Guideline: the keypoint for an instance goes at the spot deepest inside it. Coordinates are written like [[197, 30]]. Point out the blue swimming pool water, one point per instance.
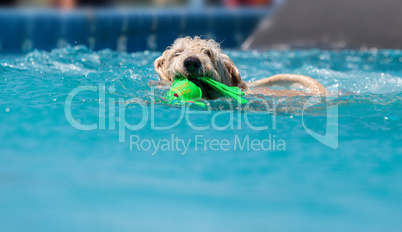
[[54, 177]]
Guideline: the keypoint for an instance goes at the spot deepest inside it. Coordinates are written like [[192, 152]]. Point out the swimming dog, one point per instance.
[[194, 57]]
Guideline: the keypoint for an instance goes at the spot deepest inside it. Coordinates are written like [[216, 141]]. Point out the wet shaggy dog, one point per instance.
[[194, 57]]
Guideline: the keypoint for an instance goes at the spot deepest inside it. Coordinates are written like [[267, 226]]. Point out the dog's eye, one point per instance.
[[178, 53], [208, 53]]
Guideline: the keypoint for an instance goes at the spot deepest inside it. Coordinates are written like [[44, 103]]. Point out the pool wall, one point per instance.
[[129, 30], [329, 24]]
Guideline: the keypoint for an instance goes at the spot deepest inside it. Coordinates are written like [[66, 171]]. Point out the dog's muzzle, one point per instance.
[[192, 64]]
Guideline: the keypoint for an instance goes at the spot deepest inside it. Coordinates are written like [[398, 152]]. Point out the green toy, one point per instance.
[[184, 90]]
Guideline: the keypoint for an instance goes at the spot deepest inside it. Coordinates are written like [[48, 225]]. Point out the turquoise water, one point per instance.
[[54, 177]]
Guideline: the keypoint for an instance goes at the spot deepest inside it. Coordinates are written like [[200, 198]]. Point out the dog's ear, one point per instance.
[[158, 65], [234, 74]]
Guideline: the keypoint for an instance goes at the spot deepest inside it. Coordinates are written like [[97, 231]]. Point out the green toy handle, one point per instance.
[[233, 92]]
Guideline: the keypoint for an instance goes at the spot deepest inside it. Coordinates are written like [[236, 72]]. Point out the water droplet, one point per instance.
[[7, 109], [112, 89], [386, 118]]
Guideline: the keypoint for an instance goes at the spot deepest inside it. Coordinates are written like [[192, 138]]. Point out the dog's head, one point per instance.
[[194, 57]]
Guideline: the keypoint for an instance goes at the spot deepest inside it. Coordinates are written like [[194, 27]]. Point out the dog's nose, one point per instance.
[[192, 63]]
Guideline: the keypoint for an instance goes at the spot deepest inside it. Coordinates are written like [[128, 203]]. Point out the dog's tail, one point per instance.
[[291, 80]]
